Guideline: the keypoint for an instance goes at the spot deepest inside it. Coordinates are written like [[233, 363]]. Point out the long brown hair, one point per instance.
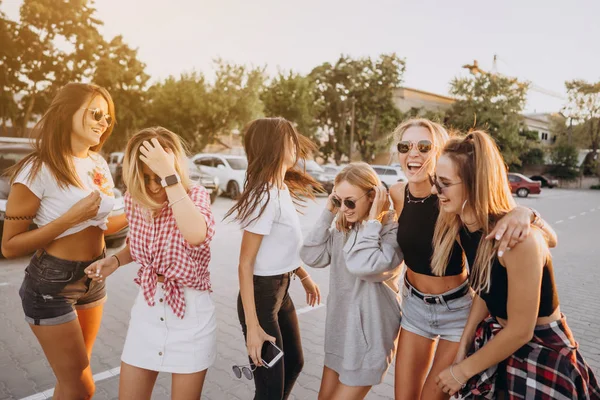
[[53, 133], [133, 173], [361, 175], [483, 173], [266, 141]]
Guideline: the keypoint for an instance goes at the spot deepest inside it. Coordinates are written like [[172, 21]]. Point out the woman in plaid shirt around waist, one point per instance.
[[516, 343], [172, 327]]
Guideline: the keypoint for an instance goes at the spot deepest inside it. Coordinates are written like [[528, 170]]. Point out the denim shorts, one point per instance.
[[54, 288], [441, 319]]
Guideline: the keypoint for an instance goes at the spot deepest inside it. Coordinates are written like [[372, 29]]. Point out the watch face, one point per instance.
[[171, 180]]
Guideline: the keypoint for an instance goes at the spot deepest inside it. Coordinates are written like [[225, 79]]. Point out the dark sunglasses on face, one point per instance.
[[247, 370], [98, 114], [439, 186], [424, 146], [350, 204], [155, 179]]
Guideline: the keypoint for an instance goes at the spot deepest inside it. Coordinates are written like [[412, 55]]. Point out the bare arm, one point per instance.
[[17, 240], [188, 217], [256, 336], [116, 224], [477, 314], [524, 266]]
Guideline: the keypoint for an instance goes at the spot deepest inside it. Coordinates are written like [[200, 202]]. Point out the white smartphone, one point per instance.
[[270, 354]]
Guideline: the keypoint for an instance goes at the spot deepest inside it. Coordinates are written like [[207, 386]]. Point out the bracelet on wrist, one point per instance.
[[307, 276], [118, 261]]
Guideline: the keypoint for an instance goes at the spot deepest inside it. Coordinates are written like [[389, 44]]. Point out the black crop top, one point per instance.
[[416, 226], [496, 298]]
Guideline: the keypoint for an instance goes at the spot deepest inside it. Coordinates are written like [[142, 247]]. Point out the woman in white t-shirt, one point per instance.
[[269, 255], [65, 188]]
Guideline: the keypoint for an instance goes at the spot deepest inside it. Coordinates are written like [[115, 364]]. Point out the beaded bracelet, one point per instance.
[[25, 218]]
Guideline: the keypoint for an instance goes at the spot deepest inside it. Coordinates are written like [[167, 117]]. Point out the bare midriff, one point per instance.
[[84, 245], [435, 284], [540, 321]]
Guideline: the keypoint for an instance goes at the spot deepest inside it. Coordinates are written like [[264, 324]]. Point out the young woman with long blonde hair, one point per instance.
[[434, 308], [363, 309], [525, 349], [64, 186], [269, 255], [173, 326]]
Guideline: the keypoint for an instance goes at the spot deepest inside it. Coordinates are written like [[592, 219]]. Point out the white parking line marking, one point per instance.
[[308, 308], [560, 221], [47, 394], [583, 213], [592, 210], [572, 217], [3, 283]]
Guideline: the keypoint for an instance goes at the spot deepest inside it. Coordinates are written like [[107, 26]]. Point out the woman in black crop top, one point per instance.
[[435, 308], [533, 353]]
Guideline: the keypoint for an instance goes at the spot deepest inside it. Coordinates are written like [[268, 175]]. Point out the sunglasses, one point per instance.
[[350, 204], [98, 114], [247, 370], [424, 146], [439, 186], [155, 179]]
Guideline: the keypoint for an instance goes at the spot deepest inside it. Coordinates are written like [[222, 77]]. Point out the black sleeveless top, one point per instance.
[[416, 226], [496, 298]]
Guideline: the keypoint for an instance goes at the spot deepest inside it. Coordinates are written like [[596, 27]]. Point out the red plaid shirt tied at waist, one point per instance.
[[158, 246]]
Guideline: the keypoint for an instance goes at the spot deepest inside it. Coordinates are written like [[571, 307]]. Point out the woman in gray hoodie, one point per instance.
[[363, 309]]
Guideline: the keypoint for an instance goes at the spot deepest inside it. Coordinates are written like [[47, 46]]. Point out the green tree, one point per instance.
[[44, 66], [122, 74], [493, 103], [564, 160], [9, 82], [355, 103], [583, 109], [200, 112], [292, 96]]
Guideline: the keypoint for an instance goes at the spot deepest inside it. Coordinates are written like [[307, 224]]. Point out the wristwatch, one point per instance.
[[170, 180]]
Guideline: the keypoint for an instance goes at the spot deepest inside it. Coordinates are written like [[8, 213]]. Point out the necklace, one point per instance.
[[412, 201]]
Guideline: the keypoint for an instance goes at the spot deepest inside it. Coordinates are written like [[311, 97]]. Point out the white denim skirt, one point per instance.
[[158, 340]]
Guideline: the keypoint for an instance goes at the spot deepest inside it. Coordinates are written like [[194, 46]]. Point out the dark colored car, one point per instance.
[[10, 154], [546, 181], [522, 185]]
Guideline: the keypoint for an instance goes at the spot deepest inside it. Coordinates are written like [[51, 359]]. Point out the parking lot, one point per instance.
[[24, 373]]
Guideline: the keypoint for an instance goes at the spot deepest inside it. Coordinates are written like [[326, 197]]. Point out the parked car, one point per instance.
[[545, 180], [318, 173], [522, 185], [10, 154], [389, 174], [210, 183], [231, 171], [115, 166]]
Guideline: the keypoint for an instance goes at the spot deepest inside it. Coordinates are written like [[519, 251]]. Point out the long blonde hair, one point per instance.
[[483, 173], [359, 174], [133, 173]]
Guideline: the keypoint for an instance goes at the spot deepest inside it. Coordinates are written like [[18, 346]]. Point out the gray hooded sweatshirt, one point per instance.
[[363, 312]]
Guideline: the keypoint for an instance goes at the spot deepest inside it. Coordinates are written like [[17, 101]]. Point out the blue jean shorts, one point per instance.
[[54, 288], [432, 316]]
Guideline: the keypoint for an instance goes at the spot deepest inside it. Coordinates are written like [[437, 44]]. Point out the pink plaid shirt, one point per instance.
[[159, 247]]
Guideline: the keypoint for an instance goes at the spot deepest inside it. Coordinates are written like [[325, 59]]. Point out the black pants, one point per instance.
[[277, 317]]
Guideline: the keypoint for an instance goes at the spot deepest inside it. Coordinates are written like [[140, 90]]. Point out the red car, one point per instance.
[[523, 186]]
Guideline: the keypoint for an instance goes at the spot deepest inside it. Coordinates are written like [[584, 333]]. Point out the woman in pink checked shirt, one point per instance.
[[172, 327]]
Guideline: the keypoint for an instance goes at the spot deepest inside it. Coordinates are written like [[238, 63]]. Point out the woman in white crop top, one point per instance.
[[270, 253], [65, 188]]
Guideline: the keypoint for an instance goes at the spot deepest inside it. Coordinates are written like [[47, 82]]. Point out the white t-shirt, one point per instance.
[[279, 250], [93, 172]]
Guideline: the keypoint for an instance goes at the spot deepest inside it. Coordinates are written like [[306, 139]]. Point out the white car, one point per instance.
[[231, 171], [389, 174]]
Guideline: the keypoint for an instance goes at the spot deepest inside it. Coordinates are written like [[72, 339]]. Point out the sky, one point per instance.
[[543, 41]]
